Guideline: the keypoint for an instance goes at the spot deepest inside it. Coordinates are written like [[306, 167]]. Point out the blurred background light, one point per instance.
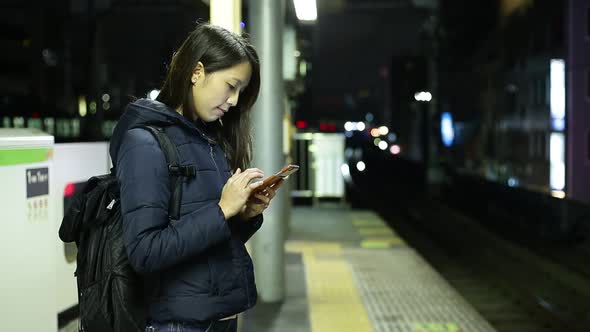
[[306, 10], [395, 149], [446, 129], [361, 166]]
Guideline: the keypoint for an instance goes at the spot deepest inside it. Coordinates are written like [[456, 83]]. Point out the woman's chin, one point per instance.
[[211, 118]]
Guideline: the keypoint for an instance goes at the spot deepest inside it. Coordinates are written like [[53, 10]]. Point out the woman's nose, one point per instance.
[[233, 99]]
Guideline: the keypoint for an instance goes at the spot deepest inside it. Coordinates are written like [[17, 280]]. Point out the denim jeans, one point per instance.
[[230, 325]]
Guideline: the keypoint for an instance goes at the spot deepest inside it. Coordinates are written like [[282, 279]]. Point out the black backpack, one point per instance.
[[111, 295]]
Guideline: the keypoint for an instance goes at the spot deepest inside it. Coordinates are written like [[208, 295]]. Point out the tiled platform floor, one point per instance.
[[348, 271]]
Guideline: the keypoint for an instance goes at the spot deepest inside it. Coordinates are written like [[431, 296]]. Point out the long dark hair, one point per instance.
[[217, 49]]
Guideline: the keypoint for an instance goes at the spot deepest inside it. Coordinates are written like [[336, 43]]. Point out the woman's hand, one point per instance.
[[259, 201], [237, 190]]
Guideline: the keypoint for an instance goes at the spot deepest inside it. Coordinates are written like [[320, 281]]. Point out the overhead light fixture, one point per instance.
[[306, 10]]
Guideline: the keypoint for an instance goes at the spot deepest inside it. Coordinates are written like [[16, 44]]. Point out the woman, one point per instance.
[[197, 272]]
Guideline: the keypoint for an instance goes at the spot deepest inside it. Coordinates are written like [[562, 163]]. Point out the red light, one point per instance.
[[300, 124], [69, 190], [323, 126], [36, 115], [332, 127]]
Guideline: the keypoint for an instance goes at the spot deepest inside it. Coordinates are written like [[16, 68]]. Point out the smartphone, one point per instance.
[[281, 175]]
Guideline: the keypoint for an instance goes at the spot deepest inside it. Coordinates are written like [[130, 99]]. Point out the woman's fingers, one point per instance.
[[248, 175], [236, 173], [245, 173], [277, 184], [271, 192], [254, 185], [234, 176], [262, 198]]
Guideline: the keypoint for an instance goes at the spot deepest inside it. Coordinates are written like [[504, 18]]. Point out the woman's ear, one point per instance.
[[198, 72]]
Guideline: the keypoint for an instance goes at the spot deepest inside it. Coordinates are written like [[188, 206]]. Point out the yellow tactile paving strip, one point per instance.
[[376, 234], [400, 290], [379, 230], [408, 295], [333, 299], [373, 281]]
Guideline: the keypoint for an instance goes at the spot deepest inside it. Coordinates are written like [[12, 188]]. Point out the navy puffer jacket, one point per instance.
[[196, 268]]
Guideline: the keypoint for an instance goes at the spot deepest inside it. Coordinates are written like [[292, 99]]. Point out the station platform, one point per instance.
[[346, 270]]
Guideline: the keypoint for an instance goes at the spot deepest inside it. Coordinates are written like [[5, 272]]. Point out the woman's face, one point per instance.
[[214, 93]]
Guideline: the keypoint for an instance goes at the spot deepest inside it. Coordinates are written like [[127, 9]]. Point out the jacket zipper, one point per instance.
[[214, 162]]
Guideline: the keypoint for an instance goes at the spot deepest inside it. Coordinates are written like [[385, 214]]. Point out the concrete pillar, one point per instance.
[[226, 14], [265, 24]]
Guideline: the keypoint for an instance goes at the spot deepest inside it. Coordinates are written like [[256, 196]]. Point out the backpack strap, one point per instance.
[[176, 171]]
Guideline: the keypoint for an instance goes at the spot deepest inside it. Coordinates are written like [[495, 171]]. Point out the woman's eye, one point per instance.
[[231, 87]]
